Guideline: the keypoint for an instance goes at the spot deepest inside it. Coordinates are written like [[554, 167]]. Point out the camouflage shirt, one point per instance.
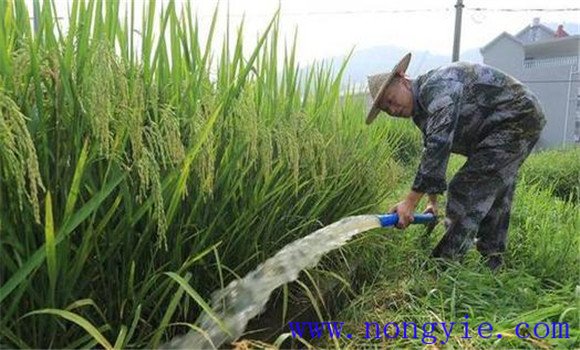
[[458, 106]]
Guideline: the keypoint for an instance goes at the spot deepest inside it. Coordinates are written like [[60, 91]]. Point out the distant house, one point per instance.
[[547, 62]]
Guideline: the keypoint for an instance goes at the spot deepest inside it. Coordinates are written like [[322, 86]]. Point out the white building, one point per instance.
[[547, 61]]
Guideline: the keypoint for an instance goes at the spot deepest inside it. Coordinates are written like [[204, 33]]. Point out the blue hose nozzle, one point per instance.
[[392, 219]]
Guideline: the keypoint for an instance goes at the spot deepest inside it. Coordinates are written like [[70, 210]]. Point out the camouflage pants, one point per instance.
[[479, 197]]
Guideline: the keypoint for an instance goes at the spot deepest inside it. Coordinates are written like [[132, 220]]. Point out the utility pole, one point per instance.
[[36, 13], [456, 39], [36, 17]]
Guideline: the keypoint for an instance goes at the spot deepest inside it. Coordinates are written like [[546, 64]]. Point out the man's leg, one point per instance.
[[463, 214], [492, 235], [486, 176]]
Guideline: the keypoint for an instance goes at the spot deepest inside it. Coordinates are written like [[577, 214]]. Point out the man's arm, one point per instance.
[[443, 100]]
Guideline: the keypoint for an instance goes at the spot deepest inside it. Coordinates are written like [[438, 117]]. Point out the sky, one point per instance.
[[333, 27]]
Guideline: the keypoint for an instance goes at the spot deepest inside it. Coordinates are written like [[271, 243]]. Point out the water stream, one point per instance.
[[244, 299]]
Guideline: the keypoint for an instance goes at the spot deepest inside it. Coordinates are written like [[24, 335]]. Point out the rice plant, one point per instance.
[[126, 156]]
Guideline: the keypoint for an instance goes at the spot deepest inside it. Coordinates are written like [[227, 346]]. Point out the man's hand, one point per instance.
[[406, 208], [431, 205], [431, 208]]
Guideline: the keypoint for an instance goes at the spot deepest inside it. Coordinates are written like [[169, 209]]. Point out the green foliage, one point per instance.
[[398, 283], [407, 138], [136, 180], [409, 141], [558, 169], [123, 167], [543, 236], [538, 283]]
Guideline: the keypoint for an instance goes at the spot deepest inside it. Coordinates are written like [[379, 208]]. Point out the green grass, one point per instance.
[[385, 280], [558, 169], [538, 283]]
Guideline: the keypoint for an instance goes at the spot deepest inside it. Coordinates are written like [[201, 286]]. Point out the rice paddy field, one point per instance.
[[141, 172]]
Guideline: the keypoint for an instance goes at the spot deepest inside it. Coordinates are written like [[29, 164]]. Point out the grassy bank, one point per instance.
[[538, 283], [385, 280]]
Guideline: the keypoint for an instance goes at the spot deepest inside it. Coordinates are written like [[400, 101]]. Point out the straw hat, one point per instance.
[[378, 85]]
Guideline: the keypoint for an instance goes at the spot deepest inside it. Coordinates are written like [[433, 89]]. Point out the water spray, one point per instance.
[[245, 298]]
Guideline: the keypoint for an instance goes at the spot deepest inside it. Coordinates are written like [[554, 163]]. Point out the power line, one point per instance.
[[349, 12], [551, 81], [422, 10], [569, 9]]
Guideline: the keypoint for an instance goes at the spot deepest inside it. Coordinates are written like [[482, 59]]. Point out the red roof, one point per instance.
[[560, 32]]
